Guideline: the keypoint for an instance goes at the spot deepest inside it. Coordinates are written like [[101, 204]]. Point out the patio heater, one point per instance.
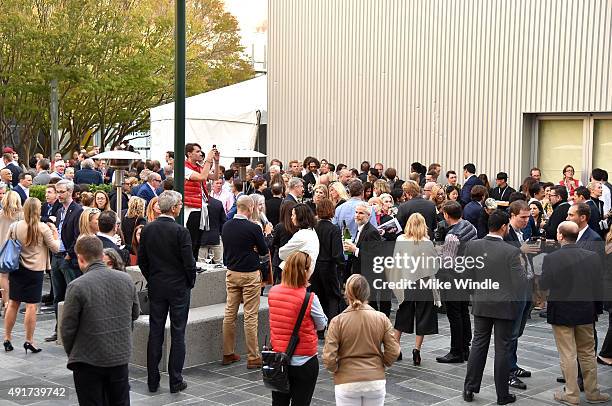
[[120, 161]]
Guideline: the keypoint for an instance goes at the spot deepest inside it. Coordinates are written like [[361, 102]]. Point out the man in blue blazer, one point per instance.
[[580, 214], [471, 180], [149, 190], [25, 181], [87, 174]]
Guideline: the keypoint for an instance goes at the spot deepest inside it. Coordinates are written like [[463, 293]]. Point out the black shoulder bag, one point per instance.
[[275, 365]]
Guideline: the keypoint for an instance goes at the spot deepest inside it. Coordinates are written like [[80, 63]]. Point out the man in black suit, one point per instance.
[[64, 264], [416, 204], [87, 174], [107, 224], [295, 190], [580, 213], [311, 178], [519, 218], [366, 232], [494, 307], [50, 206], [573, 277], [471, 180], [9, 164], [583, 195], [558, 198], [23, 187], [166, 260], [210, 241], [273, 205], [365, 168], [503, 191]]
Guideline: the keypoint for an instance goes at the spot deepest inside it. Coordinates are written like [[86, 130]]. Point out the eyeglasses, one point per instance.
[[60, 191]]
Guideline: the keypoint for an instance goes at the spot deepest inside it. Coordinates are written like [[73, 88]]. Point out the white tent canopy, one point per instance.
[[227, 117]]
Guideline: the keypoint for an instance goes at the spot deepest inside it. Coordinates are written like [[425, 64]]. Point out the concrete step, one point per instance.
[[203, 335]]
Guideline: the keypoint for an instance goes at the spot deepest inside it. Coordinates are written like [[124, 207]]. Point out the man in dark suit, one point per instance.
[[311, 178], [273, 205], [474, 211], [107, 224], [112, 197], [583, 195], [365, 168], [494, 307], [366, 233], [64, 264], [166, 260], [210, 241], [416, 204], [469, 174], [580, 213], [295, 190], [558, 198], [519, 218], [22, 188], [9, 164], [87, 174], [50, 206], [573, 276], [503, 191], [150, 189]]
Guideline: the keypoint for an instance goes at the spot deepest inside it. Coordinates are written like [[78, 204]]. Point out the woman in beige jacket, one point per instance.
[[352, 350], [36, 240]]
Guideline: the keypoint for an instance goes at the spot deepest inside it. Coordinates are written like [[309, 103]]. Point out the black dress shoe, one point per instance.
[[516, 383], [450, 358], [178, 387], [522, 373], [561, 379], [153, 388], [508, 399], [52, 337], [468, 395]]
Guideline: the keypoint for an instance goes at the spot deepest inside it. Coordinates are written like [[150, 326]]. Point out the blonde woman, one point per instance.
[[417, 302], [36, 240], [10, 213], [381, 186], [133, 216], [318, 193], [88, 222], [360, 343], [153, 211], [101, 200], [438, 196], [337, 193]]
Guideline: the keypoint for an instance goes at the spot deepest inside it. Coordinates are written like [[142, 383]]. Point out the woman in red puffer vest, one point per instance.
[[285, 301]]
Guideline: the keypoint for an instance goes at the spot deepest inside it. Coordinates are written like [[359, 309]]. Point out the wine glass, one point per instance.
[[208, 258]]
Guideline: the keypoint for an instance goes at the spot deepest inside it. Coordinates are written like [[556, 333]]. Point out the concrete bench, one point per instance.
[[203, 335]]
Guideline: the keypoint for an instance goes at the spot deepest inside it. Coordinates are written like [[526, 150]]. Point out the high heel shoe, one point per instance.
[[416, 357], [28, 346], [8, 346]]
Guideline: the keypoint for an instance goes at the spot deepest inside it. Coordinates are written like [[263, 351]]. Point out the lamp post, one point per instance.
[[120, 161], [179, 101]]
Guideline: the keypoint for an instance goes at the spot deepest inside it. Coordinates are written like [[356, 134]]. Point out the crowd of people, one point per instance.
[[306, 228]]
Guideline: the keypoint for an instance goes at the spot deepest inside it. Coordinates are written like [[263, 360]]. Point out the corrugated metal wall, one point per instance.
[[430, 80]]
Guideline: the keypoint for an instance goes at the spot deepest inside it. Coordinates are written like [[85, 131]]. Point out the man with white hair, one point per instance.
[[87, 174], [427, 190], [166, 260], [150, 189], [58, 170], [295, 190]]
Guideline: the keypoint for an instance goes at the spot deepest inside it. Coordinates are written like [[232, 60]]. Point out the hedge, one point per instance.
[[39, 190]]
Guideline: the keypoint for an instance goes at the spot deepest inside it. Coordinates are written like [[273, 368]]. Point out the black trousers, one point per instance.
[[458, 315], [483, 326], [302, 381], [325, 283], [383, 306], [159, 307], [606, 347], [193, 226], [99, 386]]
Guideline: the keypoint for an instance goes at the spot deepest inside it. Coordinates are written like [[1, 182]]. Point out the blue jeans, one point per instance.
[[159, 307], [61, 275], [517, 330]]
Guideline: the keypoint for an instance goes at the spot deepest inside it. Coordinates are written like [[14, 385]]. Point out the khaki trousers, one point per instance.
[[577, 342], [245, 287]]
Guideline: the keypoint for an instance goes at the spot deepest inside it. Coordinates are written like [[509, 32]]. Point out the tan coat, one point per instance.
[[36, 257], [352, 350]]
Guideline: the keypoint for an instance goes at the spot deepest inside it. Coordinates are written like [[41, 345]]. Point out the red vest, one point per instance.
[[193, 189], [285, 304]]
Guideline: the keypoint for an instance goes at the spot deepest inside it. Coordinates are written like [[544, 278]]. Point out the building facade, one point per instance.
[[505, 84]]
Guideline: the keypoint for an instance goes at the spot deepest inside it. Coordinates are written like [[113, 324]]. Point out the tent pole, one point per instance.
[[179, 102]]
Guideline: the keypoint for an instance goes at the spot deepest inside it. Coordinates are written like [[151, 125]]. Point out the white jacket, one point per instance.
[[305, 240]]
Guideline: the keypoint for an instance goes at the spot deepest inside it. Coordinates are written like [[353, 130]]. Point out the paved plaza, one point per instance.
[[213, 384]]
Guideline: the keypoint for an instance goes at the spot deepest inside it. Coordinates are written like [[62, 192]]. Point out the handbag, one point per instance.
[[10, 253], [275, 365], [143, 298]]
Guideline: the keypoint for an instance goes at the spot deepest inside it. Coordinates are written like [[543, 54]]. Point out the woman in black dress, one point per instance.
[[281, 235]]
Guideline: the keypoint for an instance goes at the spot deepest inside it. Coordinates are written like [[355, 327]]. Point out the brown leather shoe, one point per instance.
[[230, 359], [254, 364]]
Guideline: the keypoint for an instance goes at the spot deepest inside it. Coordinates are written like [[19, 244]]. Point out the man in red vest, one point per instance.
[[196, 194]]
